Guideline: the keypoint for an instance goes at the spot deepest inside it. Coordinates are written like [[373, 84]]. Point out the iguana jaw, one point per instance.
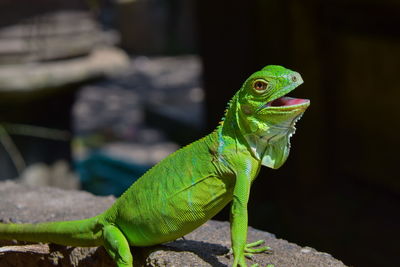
[[266, 117], [279, 102], [288, 103], [276, 119]]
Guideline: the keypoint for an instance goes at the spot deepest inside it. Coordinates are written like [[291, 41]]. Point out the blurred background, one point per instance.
[[93, 93]]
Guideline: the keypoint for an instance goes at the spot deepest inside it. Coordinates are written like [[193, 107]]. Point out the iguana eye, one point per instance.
[[260, 85]]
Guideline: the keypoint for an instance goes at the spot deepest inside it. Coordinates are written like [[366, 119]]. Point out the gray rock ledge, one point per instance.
[[206, 246]]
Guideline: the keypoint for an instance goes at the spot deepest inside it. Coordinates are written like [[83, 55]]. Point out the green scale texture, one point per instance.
[[179, 201]]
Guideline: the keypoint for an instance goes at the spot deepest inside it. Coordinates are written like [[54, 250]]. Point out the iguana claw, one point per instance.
[[249, 250]]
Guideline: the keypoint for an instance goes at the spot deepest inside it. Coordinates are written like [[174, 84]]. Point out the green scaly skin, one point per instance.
[[193, 184]]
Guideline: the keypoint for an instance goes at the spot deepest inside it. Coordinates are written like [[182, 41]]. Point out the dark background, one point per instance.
[[339, 191]]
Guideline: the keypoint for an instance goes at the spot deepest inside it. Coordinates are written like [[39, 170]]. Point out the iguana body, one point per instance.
[[193, 184]]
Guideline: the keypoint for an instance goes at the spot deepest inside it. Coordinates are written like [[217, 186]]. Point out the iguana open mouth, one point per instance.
[[288, 102]]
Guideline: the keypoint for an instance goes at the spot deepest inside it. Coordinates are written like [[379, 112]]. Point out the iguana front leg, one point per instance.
[[239, 223]]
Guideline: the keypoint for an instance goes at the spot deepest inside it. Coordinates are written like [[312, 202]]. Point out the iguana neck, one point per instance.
[[229, 132], [267, 143]]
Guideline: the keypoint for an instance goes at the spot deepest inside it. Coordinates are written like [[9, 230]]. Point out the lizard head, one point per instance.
[[266, 117]]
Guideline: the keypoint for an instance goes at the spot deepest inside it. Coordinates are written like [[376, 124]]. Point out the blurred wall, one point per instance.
[[13, 11], [340, 190], [48, 49], [154, 27], [29, 33]]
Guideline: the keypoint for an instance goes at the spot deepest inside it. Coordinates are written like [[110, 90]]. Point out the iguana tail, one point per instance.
[[86, 232]]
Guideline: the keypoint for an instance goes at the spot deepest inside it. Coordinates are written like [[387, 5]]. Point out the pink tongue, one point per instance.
[[287, 101]]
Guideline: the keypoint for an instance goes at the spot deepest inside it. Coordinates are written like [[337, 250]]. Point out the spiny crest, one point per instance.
[[230, 104], [228, 107]]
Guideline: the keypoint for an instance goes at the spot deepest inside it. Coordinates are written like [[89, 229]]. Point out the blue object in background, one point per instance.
[[102, 174]]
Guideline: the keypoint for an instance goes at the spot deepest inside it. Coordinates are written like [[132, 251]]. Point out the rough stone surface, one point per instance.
[[207, 246]]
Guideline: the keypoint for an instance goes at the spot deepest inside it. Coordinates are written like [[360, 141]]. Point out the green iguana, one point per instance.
[[193, 184]]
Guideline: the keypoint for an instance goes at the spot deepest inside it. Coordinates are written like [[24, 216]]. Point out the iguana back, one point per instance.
[[176, 196]]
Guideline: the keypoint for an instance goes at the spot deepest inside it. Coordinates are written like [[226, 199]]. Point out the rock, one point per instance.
[[58, 175], [206, 246]]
